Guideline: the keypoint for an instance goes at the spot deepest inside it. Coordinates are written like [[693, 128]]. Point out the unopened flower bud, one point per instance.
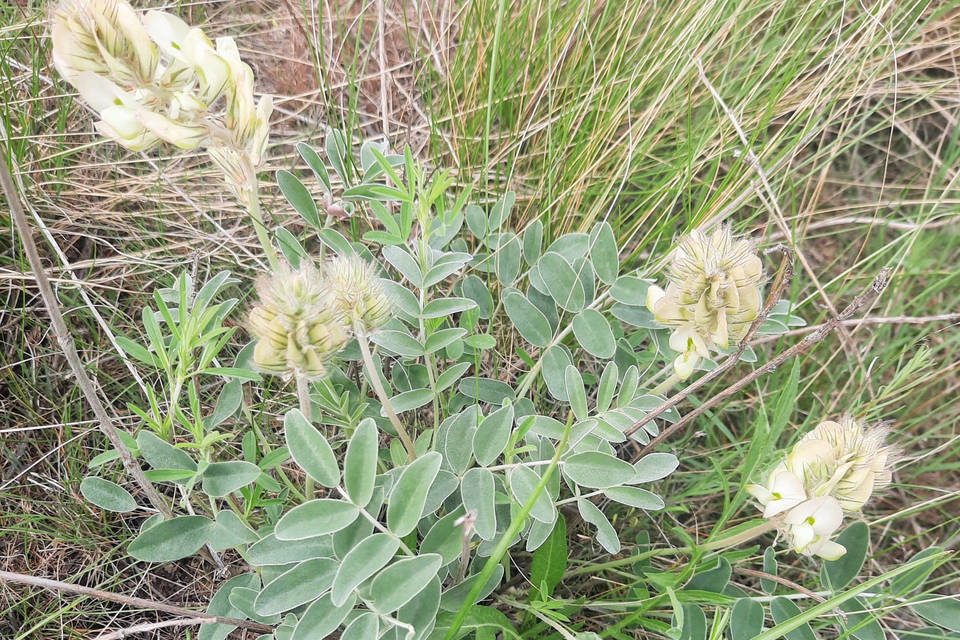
[[296, 324], [358, 292]]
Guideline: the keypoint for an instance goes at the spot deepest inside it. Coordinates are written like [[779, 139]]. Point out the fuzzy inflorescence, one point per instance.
[[712, 297], [832, 470], [305, 315], [156, 79]]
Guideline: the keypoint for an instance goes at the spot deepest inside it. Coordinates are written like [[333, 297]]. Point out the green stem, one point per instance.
[[253, 208], [381, 392], [665, 385], [515, 525], [303, 397]]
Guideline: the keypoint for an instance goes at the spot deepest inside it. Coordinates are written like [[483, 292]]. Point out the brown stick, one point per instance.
[[780, 281], [65, 339], [119, 634], [787, 583], [141, 603], [867, 297]]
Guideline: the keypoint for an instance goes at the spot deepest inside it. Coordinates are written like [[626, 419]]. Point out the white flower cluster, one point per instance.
[[712, 297], [155, 78], [832, 470]]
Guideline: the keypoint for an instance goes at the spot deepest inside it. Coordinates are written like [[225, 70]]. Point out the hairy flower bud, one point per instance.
[[296, 323], [712, 297], [358, 292]]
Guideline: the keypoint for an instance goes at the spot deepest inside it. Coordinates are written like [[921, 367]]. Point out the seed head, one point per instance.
[[358, 292], [296, 323]]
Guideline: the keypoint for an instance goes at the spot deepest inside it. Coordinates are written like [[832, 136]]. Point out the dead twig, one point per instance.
[[790, 584], [140, 603], [780, 281], [153, 626], [65, 338], [866, 298]]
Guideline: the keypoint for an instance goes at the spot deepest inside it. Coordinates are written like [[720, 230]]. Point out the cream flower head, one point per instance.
[[358, 293], [712, 297], [155, 78], [843, 459], [832, 470], [297, 324]]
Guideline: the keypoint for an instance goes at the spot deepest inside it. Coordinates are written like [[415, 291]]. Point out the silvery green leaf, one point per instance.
[[222, 478], [321, 618], [654, 466], [443, 307], [527, 318], [398, 342], [594, 334], [410, 493], [402, 581], [364, 560], [532, 239], [440, 339], [310, 449], [598, 470], [315, 163], [556, 359], [107, 495], [635, 497], [577, 395], [630, 290], [561, 281], [500, 211], [273, 552], [458, 442], [603, 252], [299, 197], [451, 374], [171, 539], [405, 263], [444, 537], [409, 400], [220, 606], [571, 246], [478, 492], [523, 482], [606, 534], [607, 386], [363, 627], [301, 584], [315, 518], [487, 390], [230, 532], [360, 463], [492, 435]]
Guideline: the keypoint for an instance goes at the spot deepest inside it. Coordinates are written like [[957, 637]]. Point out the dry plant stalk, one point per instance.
[[65, 338], [140, 603]]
